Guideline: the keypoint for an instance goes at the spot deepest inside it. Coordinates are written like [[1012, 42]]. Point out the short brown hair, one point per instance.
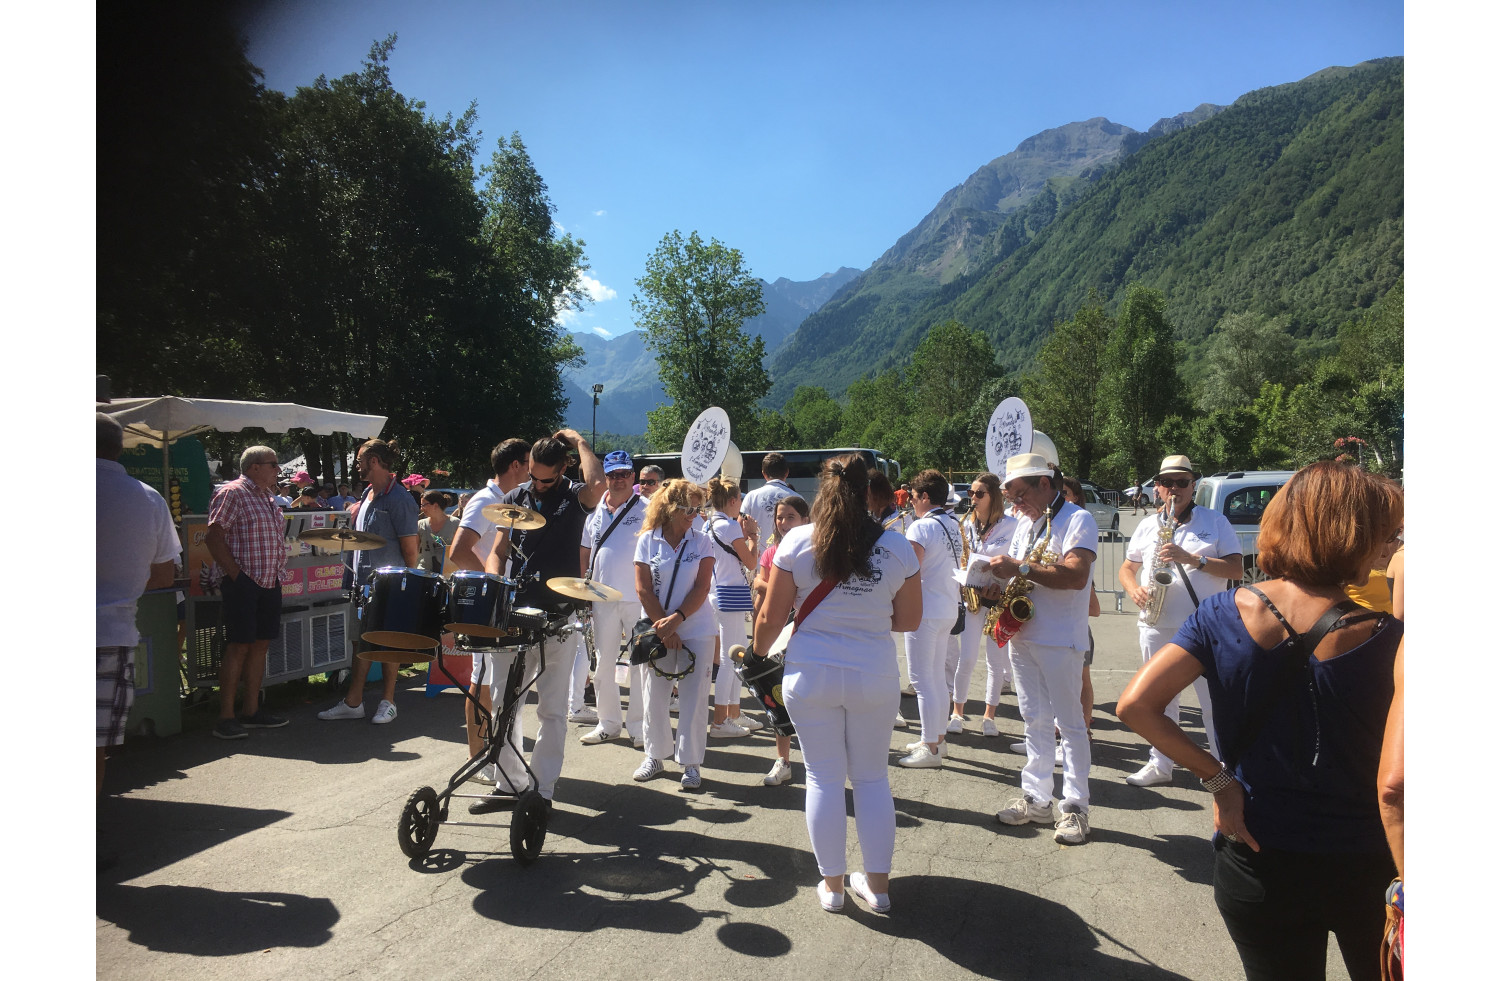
[[933, 484], [1325, 526], [774, 467]]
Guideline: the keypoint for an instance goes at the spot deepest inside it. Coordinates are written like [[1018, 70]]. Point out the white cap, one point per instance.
[[1026, 465]]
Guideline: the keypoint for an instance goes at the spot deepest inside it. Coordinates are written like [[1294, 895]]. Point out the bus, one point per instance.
[[803, 466]]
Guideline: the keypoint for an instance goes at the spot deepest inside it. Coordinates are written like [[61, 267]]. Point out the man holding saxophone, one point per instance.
[[1053, 548], [1176, 559]]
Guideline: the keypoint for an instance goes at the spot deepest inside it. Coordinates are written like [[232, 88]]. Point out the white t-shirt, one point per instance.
[[851, 627], [133, 531], [614, 562], [995, 542], [475, 520], [937, 533], [760, 504], [652, 550], [727, 566], [1207, 533], [1062, 615]]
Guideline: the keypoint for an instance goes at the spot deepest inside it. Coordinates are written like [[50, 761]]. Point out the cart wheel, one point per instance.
[[418, 827], [528, 827]]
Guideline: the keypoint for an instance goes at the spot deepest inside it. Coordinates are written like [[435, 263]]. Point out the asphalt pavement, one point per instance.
[[277, 857]]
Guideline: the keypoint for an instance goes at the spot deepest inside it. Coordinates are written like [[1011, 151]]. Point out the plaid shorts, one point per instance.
[[114, 692]]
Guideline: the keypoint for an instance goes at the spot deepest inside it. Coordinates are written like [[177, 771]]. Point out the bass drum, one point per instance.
[[479, 603], [763, 676], [405, 609]]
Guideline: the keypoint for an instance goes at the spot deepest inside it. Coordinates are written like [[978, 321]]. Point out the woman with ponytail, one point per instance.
[[852, 583], [734, 538]]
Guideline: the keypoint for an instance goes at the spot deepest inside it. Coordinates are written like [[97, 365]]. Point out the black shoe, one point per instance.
[[495, 802], [230, 729], [588, 694], [262, 720]]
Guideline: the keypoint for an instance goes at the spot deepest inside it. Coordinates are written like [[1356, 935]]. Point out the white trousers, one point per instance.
[[969, 644], [1049, 683], [926, 652], [1160, 760], [551, 712], [612, 621], [732, 630], [692, 704], [843, 720]]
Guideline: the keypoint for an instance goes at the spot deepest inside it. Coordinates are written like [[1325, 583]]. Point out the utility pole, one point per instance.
[[594, 426]]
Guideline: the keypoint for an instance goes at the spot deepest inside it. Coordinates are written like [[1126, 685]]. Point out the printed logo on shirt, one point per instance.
[[858, 585]]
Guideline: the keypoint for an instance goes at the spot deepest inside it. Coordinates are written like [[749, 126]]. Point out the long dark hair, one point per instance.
[[843, 531]]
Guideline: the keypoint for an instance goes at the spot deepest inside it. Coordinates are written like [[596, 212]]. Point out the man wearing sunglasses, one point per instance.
[[541, 554], [1204, 549], [651, 478]]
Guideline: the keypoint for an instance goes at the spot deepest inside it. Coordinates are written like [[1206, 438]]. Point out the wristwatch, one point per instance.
[[1202, 562], [1024, 569]]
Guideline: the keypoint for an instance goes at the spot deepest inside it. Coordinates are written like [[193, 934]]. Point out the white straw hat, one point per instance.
[[1026, 465]]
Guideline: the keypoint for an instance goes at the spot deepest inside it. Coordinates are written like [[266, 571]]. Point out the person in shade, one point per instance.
[[1301, 679], [936, 538], [853, 583]]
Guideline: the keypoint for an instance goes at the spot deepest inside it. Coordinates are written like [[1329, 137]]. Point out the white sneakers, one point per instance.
[[1019, 747], [901, 722], [585, 714], [691, 778], [1149, 776], [1024, 810], [597, 735], [781, 772], [727, 730], [343, 711], [384, 712], [1073, 826], [922, 757], [651, 768], [831, 901], [955, 723], [988, 728], [879, 902]]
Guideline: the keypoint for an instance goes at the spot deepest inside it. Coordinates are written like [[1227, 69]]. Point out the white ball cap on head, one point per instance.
[[1042, 443], [1026, 465]]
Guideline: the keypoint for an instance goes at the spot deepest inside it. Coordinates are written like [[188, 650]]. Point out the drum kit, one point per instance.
[[405, 612]]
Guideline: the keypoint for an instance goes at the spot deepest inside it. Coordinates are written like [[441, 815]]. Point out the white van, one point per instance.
[[1242, 496]]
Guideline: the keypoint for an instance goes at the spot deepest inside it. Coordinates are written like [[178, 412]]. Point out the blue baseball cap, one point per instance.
[[617, 460]]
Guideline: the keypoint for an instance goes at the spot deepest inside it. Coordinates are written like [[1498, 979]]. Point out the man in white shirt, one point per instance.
[[935, 537], [760, 503], [135, 549], [606, 554], [1048, 652], [1200, 545]]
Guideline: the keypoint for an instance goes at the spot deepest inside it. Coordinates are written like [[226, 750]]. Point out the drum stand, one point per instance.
[[426, 809]]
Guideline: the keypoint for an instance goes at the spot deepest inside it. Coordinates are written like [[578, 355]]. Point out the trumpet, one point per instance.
[[1015, 608]]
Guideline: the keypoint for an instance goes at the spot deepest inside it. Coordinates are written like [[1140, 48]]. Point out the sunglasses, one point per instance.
[[1175, 482], [619, 475], [978, 493], [543, 481], [649, 483]]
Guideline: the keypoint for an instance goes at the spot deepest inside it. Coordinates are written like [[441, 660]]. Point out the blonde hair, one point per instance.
[[672, 495], [722, 490]]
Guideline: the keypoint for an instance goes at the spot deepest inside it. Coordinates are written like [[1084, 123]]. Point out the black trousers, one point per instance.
[[1280, 906]]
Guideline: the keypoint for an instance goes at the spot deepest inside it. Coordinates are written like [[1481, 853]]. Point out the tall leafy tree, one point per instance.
[[1142, 386], [1064, 392], [948, 368], [1246, 351], [692, 304], [814, 416]]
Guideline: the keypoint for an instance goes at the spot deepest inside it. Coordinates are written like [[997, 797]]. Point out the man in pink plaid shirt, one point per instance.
[[247, 538]]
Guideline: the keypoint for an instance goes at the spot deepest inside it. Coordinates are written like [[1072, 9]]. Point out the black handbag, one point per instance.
[[645, 645]]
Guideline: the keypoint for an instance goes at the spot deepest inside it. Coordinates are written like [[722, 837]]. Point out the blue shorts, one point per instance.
[[251, 611]]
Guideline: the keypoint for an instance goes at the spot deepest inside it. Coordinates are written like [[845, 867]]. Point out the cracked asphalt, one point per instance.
[[276, 857]]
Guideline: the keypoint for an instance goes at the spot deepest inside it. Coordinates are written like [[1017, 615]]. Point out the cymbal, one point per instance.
[[343, 539], [514, 516], [584, 589], [398, 657]]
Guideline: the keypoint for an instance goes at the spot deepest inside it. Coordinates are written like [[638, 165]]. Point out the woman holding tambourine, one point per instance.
[[674, 571]]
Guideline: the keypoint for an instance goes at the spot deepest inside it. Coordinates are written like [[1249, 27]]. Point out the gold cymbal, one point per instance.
[[343, 539], [584, 589], [514, 516]]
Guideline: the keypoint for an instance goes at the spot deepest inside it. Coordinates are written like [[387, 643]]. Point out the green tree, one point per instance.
[[1141, 386], [692, 305], [814, 416], [1063, 394], [1247, 350], [950, 365]]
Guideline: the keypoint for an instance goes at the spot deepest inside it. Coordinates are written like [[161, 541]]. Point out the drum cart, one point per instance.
[[427, 808]]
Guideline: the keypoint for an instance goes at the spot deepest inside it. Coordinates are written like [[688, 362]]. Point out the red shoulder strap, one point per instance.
[[815, 597]]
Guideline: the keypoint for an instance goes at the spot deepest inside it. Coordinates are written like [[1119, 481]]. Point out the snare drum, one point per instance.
[[479, 603], [524, 628], [406, 608]]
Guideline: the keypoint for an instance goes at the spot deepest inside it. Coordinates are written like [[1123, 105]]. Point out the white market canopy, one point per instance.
[[156, 420]]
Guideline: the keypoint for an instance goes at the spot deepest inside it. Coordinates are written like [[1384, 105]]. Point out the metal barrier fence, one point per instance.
[[1107, 572]]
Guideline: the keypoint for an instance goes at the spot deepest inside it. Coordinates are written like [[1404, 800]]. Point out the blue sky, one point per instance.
[[807, 135]]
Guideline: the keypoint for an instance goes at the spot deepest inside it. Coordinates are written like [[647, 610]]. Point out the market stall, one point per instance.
[[317, 615]]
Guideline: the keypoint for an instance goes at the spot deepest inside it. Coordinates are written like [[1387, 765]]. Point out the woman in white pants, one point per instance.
[[988, 531], [934, 537], [674, 570], [734, 537], [841, 680]]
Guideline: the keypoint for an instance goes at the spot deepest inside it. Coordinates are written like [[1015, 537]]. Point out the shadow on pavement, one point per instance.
[[1189, 856], [153, 834], [206, 923]]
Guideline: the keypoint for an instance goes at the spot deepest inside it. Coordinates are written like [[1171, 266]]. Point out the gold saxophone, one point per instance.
[[969, 593], [1158, 577], [1015, 609]]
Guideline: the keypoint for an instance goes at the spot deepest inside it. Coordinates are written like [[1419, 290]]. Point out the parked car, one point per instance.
[[1242, 496], [1106, 516]]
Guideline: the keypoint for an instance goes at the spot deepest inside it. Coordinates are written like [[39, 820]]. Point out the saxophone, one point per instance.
[[1015, 608], [1158, 577], [969, 593]]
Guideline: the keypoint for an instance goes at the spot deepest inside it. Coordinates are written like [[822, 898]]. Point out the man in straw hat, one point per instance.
[[1047, 654], [1201, 555]]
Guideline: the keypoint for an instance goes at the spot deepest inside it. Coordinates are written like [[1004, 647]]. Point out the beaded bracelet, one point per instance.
[[1219, 780]]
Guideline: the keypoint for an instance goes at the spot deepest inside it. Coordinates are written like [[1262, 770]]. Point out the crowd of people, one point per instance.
[[1295, 676]]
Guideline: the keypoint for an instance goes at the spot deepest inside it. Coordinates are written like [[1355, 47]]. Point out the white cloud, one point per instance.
[[602, 332], [596, 290], [600, 213]]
